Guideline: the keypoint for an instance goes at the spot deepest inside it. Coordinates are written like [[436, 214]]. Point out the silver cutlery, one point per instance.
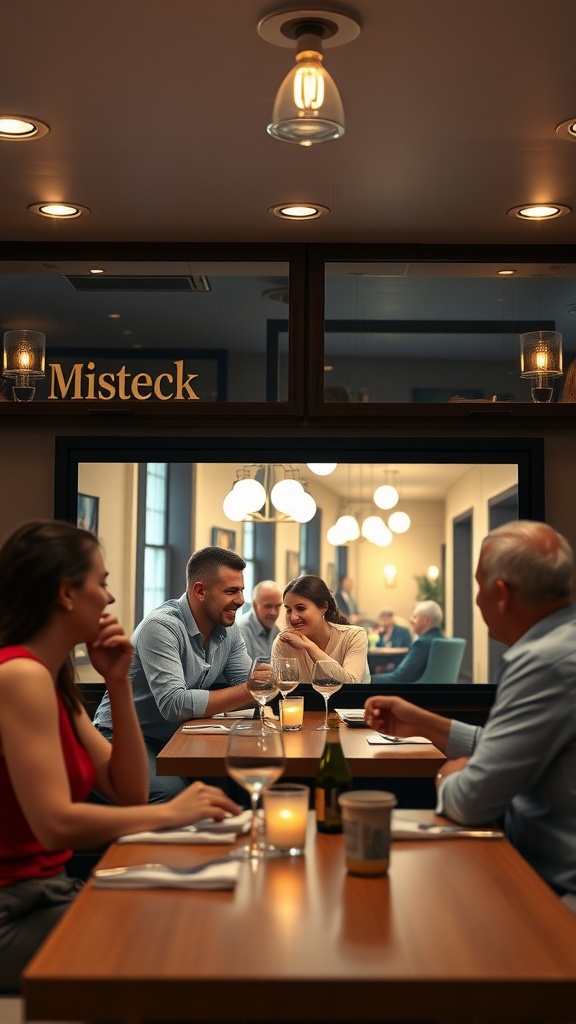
[[136, 868]]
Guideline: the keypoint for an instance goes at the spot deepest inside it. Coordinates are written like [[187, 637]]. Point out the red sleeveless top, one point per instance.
[[21, 855]]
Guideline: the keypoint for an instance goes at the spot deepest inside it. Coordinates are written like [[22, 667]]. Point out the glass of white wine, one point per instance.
[[262, 685], [255, 759], [325, 681], [288, 671]]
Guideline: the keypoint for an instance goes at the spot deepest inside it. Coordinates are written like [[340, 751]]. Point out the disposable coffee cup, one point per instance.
[[366, 817]]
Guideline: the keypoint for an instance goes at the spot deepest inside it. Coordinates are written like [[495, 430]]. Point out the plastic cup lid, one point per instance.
[[367, 798]]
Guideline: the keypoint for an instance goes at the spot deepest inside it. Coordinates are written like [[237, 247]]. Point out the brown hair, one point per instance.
[[34, 560], [314, 588]]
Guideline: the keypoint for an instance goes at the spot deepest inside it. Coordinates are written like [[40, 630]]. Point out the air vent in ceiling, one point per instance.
[[126, 283]]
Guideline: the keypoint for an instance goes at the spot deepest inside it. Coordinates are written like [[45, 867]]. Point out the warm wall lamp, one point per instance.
[[24, 359], [540, 359], [308, 108]]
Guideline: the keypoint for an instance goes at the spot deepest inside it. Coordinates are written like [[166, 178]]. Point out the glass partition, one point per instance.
[[440, 332], [437, 488], [153, 331]]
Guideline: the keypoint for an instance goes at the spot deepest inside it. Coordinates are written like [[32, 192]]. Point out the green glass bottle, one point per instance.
[[333, 777]]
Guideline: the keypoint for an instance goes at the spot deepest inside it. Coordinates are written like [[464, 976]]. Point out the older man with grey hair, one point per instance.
[[522, 764], [426, 620], [258, 627]]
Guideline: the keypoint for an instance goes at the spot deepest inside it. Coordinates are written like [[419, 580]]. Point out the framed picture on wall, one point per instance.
[[87, 516], [223, 538], [292, 565]]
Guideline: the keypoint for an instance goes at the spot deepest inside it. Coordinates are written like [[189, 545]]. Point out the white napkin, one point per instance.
[[243, 713], [205, 831], [216, 875], [380, 737], [406, 828], [205, 728]]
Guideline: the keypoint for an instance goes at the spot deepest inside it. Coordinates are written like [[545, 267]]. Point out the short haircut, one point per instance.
[[430, 609], [531, 557], [384, 611], [206, 563], [265, 585]]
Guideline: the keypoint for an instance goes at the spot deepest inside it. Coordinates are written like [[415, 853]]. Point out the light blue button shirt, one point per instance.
[[523, 762], [172, 673]]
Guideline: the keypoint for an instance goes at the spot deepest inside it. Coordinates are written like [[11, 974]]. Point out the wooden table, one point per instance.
[[203, 754], [461, 930], [380, 657]]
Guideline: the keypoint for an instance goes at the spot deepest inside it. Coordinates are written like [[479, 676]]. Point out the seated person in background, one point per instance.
[[317, 631], [389, 634], [53, 596], [190, 660], [426, 621], [522, 763], [258, 626], [344, 599], [568, 393]]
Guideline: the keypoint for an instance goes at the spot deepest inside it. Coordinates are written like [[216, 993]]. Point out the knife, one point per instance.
[[462, 830]]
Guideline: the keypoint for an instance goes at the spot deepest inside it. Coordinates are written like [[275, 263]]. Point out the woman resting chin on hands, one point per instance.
[[317, 631], [54, 595]]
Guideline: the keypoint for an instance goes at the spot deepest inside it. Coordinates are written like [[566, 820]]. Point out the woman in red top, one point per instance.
[[53, 595]]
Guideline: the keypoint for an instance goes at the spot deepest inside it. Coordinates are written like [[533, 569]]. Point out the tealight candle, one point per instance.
[[292, 713], [286, 816]]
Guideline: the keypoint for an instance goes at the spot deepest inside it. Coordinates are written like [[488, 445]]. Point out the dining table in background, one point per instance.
[[461, 930], [383, 659], [203, 754]]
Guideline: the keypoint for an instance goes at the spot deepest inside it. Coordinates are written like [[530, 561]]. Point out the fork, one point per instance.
[[130, 868]]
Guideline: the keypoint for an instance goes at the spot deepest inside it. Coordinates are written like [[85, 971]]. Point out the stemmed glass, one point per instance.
[[288, 671], [262, 685], [325, 681], [255, 759]]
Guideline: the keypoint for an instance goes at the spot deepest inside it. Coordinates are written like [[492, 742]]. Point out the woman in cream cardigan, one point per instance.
[[318, 631]]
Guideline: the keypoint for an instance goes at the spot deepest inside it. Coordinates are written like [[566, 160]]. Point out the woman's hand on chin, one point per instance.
[[294, 638]]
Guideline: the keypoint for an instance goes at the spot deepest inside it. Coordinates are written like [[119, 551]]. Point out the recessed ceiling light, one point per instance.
[[539, 211], [298, 211], [505, 273], [62, 211], [17, 128], [114, 316], [567, 130], [97, 270]]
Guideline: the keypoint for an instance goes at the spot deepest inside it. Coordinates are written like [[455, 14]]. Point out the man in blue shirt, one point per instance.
[[426, 620], [190, 660], [522, 763], [258, 626]]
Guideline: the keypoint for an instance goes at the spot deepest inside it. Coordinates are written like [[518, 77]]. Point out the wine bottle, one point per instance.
[[333, 777]]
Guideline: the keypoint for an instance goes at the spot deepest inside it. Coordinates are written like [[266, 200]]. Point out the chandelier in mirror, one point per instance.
[[271, 493]]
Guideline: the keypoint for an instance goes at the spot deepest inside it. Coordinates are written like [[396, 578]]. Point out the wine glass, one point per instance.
[[262, 685], [255, 759], [288, 671], [325, 681]]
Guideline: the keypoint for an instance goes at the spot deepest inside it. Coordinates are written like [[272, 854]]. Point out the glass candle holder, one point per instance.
[[292, 713], [286, 816]]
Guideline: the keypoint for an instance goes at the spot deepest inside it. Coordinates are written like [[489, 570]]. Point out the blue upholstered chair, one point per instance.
[[444, 660]]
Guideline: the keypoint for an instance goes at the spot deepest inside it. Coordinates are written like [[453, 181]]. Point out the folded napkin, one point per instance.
[[242, 713], [205, 831], [220, 874], [380, 737], [205, 728], [406, 828]]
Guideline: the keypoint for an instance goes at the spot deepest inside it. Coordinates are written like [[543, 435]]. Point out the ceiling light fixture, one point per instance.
[[308, 108], [24, 359], [17, 128], [60, 211], [298, 211], [263, 498], [539, 211], [505, 273], [567, 129]]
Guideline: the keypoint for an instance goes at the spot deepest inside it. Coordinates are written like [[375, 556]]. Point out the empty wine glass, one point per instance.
[[288, 671], [262, 685], [255, 759], [325, 680]]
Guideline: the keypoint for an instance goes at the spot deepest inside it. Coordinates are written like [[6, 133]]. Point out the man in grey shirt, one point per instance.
[[522, 764], [258, 626], [190, 660]]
